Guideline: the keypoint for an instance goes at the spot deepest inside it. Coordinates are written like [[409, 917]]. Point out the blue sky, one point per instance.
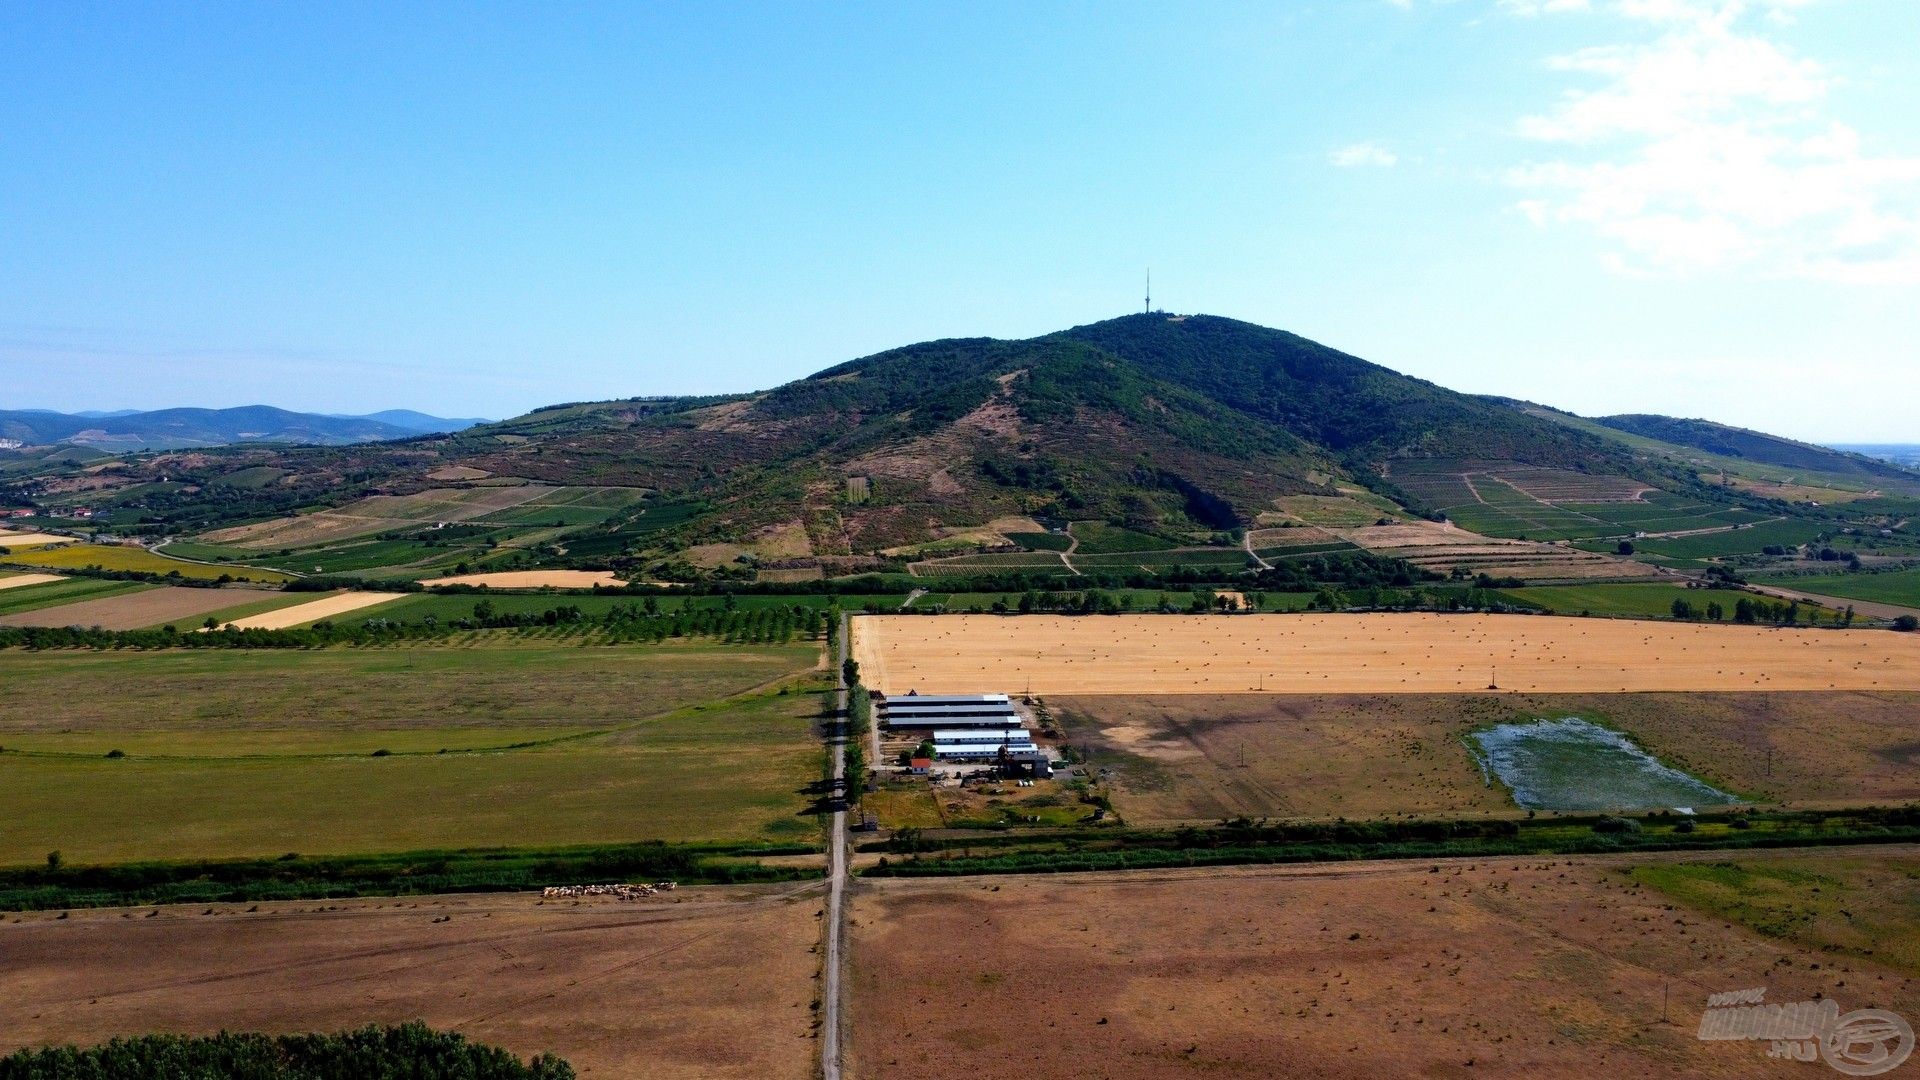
[[1701, 207]]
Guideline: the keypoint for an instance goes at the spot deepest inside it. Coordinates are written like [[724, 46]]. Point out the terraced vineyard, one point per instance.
[[1506, 499], [1446, 550]]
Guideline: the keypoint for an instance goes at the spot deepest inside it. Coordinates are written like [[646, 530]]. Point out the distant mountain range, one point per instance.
[[177, 429]]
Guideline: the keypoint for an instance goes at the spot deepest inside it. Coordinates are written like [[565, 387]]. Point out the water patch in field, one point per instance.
[[1575, 764]]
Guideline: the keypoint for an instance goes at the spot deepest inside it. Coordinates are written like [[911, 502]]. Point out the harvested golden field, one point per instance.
[[313, 611], [1456, 968], [533, 579], [134, 610], [12, 539], [1185, 758], [1357, 654], [17, 581], [702, 984]]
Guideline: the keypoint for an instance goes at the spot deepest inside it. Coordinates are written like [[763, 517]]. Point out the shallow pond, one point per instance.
[[1575, 764]]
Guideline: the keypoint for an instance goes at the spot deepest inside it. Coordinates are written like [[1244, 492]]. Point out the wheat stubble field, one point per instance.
[[706, 984], [1543, 967], [1359, 654]]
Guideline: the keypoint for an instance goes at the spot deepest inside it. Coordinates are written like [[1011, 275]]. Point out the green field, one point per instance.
[[70, 591], [1747, 541], [1887, 587], [127, 557], [1632, 601], [446, 607], [1098, 537], [236, 753]]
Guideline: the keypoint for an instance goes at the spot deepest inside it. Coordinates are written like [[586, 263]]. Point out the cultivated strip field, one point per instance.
[[313, 611], [131, 610], [703, 984], [1351, 654], [1444, 548], [17, 581], [1540, 967], [533, 579], [380, 513]]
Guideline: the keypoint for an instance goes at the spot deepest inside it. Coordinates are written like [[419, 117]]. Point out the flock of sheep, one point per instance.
[[623, 892]]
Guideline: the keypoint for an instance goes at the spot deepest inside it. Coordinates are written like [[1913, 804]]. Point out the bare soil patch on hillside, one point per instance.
[[1511, 967], [1183, 758], [1384, 653], [704, 984], [132, 611]]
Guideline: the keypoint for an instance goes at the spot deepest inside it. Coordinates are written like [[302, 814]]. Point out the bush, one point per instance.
[[1906, 624], [1616, 825], [410, 1050]]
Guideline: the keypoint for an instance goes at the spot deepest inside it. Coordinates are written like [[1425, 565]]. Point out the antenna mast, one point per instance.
[[1149, 308]]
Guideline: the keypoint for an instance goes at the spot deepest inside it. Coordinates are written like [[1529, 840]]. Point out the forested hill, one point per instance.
[[1754, 446], [1349, 405]]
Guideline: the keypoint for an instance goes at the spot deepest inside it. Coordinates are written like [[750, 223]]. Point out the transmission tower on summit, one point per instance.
[[1149, 308]]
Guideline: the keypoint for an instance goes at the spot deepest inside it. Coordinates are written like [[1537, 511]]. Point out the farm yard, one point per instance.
[[233, 753], [1179, 759], [619, 990], [1382, 653], [1357, 970]]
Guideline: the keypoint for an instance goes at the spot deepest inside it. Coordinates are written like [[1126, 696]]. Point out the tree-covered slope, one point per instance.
[[1754, 446]]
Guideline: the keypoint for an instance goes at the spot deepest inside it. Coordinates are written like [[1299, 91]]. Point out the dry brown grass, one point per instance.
[[1357, 654], [1185, 758], [1535, 968], [706, 984]]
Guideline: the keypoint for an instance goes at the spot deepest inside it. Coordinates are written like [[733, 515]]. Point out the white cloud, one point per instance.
[[1707, 147], [1363, 153]]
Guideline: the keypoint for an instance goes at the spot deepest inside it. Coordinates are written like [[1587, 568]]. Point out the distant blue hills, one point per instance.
[[178, 429]]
